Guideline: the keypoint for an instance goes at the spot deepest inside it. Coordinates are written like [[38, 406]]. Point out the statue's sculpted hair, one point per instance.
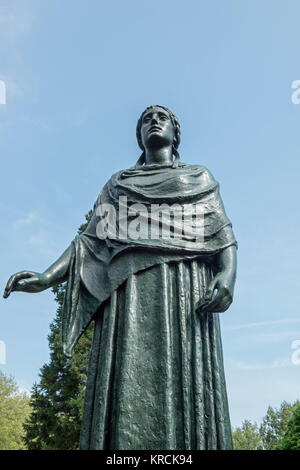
[[176, 141]]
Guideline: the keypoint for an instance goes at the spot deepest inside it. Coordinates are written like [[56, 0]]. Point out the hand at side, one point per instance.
[[219, 294]]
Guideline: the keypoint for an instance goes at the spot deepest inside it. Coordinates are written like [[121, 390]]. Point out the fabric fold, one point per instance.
[[99, 266], [156, 379]]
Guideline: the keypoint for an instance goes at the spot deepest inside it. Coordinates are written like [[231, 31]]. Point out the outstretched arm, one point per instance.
[[224, 271], [28, 281]]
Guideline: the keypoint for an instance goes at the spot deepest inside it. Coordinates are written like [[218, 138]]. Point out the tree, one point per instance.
[[247, 437], [57, 400], [291, 437], [274, 424], [14, 409], [269, 435]]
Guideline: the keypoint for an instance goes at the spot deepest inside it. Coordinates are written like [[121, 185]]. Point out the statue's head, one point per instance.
[[157, 125]]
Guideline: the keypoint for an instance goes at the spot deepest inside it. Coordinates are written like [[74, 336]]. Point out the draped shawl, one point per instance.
[[99, 266]]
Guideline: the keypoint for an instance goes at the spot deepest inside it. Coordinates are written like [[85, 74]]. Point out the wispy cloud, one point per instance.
[[16, 20], [259, 324], [279, 336], [40, 242], [276, 364], [33, 233], [26, 220]]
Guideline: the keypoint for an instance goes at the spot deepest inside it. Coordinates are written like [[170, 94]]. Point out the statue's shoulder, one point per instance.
[[200, 170], [192, 166]]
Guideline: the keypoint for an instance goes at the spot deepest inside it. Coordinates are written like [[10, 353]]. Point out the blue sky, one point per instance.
[[78, 74]]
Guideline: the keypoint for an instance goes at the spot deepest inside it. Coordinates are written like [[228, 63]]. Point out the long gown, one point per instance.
[[156, 376]]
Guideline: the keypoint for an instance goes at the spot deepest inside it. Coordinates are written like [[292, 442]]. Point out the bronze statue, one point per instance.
[[156, 377]]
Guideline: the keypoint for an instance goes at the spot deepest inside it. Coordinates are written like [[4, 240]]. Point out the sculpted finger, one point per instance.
[[6, 293], [212, 306], [25, 284], [10, 285], [20, 285], [215, 302], [225, 306], [200, 306], [220, 303], [208, 298], [13, 280], [210, 290]]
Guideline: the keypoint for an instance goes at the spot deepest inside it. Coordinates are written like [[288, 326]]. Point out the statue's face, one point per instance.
[[157, 129]]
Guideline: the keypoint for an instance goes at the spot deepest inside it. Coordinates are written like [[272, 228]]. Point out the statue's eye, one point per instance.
[[163, 117]]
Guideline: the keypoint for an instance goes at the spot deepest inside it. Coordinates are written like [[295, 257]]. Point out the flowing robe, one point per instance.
[[156, 376]]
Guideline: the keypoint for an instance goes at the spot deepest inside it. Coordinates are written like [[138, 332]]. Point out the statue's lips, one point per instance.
[[154, 129]]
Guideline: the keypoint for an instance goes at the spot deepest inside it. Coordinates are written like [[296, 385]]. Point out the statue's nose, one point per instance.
[[154, 120]]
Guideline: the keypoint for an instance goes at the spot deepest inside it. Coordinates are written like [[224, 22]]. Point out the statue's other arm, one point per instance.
[[219, 294], [28, 281]]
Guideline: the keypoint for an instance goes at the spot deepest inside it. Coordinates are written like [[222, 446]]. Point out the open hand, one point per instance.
[[26, 281]]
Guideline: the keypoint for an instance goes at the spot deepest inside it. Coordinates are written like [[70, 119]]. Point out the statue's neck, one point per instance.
[[161, 156]]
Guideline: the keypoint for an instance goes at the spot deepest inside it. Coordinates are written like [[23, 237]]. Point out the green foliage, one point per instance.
[[270, 434], [85, 224], [14, 409], [291, 438], [274, 424], [247, 437], [57, 400]]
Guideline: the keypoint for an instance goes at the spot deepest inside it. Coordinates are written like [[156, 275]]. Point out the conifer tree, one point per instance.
[[291, 438], [57, 400]]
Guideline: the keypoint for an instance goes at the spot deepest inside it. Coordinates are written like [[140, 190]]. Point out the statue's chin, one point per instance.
[[156, 140]]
